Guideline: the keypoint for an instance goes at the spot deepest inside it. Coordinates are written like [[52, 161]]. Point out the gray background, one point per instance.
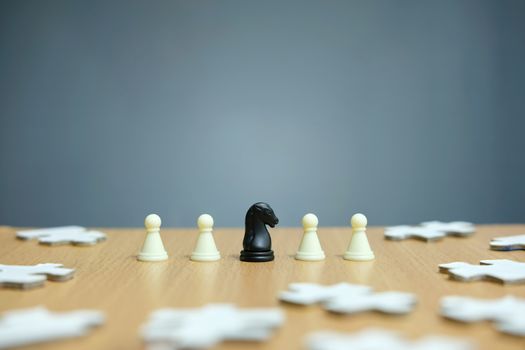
[[403, 110]]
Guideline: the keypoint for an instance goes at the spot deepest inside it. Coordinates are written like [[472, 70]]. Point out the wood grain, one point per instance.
[[109, 278]]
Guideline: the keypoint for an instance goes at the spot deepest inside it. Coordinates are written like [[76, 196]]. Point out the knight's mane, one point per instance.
[[249, 215]]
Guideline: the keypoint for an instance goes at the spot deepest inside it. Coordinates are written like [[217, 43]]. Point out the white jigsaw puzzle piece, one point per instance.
[[458, 228], [508, 313], [430, 230], [377, 339], [348, 298], [205, 327], [29, 276], [506, 271], [508, 243], [30, 234], [311, 293], [398, 233], [76, 235], [30, 326], [386, 302]]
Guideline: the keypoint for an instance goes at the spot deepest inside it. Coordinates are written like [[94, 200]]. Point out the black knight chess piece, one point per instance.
[[257, 242]]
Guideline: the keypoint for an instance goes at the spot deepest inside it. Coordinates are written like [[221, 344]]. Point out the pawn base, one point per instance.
[[352, 256], [205, 257], [152, 257], [251, 256], [306, 256]]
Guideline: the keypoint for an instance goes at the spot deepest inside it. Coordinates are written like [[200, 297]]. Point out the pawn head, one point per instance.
[[152, 222], [205, 222], [359, 221], [310, 221]]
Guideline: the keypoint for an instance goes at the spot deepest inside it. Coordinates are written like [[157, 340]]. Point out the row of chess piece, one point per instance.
[[257, 241]]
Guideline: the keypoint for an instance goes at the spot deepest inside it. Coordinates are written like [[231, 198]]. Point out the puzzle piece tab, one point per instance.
[[31, 276], [430, 230], [349, 298], [508, 313], [503, 270], [30, 326], [378, 339], [508, 243], [207, 326], [75, 235]]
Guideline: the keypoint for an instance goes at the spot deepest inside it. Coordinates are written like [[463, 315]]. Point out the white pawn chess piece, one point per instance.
[[205, 249], [152, 249], [359, 249], [310, 247]]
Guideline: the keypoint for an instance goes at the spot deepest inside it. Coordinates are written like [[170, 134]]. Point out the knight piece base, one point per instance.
[[252, 256]]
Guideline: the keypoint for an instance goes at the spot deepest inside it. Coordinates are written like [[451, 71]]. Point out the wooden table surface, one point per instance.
[[109, 278]]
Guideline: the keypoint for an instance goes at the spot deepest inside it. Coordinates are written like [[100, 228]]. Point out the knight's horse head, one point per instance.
[[264, 213]]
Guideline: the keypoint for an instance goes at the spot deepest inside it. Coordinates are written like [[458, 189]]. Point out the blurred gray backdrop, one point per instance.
[[403, 110]]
